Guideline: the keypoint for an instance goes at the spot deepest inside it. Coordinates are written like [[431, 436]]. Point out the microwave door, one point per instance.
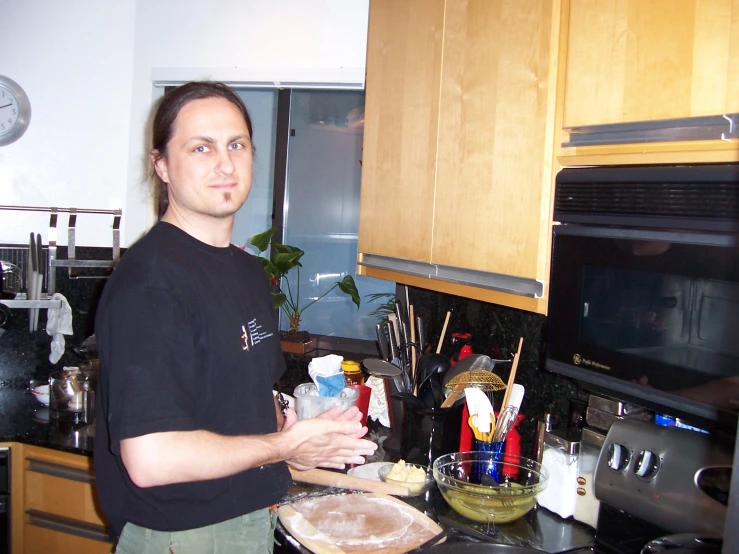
[[632, 311], [663, 320]]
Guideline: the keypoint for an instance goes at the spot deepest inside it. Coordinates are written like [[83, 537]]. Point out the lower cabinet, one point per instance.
[[59, 509]]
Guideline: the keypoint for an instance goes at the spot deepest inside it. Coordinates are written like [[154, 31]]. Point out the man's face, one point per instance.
[[208, 165]]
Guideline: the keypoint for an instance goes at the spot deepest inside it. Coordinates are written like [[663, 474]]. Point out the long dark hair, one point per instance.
[[162, 126]]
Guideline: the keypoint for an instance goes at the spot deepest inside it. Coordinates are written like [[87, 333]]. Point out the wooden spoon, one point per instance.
[[512, 376]]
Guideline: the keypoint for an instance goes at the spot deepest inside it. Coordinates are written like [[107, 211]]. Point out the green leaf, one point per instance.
[[285, 261], [286, 248], [262, 240], [279, 299], [348, 286], [377, 295]]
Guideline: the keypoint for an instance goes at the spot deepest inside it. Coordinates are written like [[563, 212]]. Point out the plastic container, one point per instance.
[[352, 373], [308, 404]]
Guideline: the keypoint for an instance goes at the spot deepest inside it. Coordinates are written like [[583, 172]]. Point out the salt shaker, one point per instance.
[[561, 452]]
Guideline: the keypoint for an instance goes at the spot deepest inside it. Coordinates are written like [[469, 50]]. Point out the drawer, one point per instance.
[[40, 538], [61, 490]]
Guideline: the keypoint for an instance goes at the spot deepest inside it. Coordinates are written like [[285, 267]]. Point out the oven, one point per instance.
[[4, 500], [644, 307], [644, 288]]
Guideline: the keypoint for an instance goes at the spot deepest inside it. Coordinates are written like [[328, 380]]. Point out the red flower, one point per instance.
[[274, 280]]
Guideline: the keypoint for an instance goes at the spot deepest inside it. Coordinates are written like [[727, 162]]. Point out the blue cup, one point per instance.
[[487, 470]]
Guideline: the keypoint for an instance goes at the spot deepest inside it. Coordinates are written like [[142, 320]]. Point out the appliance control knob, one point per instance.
[[647, 465], [618, 457]]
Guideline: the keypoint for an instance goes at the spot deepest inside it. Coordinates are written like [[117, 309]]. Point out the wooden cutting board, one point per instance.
[[357, 523]]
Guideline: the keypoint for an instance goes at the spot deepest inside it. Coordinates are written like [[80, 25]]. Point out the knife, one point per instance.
[[382, 342], [31, 284], [393, 339], [39, 278], [421, 336]]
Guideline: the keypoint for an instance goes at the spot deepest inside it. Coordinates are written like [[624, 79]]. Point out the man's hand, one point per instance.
[[332, 440]]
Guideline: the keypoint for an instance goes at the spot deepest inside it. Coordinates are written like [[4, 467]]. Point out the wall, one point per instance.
[[74, 59], [92, 68]]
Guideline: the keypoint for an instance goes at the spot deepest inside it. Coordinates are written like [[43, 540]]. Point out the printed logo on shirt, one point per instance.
[[252, 334]]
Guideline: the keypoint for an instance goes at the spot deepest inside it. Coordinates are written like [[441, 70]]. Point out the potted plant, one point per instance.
[[281, 260]]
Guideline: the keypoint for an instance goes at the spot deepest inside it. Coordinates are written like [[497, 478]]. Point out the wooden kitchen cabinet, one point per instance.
[[625, 61], [60, 511], [401, 128], [458, 147]]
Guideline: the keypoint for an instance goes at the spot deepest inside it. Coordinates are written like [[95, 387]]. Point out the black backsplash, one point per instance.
[[25, 355], [495, 331]]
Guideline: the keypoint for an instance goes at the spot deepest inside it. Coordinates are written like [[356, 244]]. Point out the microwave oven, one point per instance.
[[644, 287]]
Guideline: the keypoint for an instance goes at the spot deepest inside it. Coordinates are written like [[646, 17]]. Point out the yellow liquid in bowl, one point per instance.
[[483, 504]]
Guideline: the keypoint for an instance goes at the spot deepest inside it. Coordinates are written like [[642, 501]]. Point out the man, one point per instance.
[[190, 447]]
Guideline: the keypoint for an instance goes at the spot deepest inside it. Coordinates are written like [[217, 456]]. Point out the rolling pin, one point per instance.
[[335, 479]]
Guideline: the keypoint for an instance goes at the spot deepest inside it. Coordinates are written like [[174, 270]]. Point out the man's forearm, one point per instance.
[[333, 440], [183, 456]]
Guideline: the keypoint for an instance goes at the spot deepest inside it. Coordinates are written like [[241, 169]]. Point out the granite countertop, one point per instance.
[[540, 528], [24, 419]]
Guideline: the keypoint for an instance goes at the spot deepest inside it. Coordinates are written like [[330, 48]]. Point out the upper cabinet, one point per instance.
[[659, 74], [401, 127], [458, 147]]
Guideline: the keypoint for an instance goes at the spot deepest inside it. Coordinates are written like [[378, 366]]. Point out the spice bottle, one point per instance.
[[352, 373]]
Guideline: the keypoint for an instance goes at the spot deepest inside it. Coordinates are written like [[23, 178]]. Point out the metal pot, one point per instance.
[[71, 393], [11, 280]]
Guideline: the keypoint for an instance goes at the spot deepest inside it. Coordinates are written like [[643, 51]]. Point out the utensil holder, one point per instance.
[[429, 432]]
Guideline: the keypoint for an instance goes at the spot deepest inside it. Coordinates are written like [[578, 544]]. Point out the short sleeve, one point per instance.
[[149, 363]]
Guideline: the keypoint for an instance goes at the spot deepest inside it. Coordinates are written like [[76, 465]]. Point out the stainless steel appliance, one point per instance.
[[656, 483], [644, 307], [644, 289]]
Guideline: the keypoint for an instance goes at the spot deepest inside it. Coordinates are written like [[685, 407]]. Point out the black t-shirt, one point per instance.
[[188, 340]]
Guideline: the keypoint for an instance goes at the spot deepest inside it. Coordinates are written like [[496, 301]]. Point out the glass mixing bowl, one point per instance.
[[506, 491]]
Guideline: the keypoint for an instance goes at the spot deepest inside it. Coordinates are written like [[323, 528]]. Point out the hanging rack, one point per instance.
[[71, 263]]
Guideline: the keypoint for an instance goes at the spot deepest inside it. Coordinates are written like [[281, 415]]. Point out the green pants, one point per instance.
[[251, 533]]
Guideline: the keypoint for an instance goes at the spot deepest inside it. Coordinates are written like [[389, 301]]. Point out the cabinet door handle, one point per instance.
[[500, 282], [68, 526], [58, 470]]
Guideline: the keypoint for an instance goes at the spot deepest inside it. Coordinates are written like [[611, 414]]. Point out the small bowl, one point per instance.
[[520, 480], [41, 392], [415, 489]]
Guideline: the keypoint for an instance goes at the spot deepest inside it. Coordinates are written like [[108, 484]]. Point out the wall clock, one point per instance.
[[15, 111]]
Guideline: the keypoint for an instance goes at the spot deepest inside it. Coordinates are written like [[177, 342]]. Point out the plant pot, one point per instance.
[[299, 342]]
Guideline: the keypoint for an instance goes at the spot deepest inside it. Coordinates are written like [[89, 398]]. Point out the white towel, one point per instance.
[[58, 324], [378, 408]]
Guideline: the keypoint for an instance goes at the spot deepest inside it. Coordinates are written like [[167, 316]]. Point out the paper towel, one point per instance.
[[327, 374]]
